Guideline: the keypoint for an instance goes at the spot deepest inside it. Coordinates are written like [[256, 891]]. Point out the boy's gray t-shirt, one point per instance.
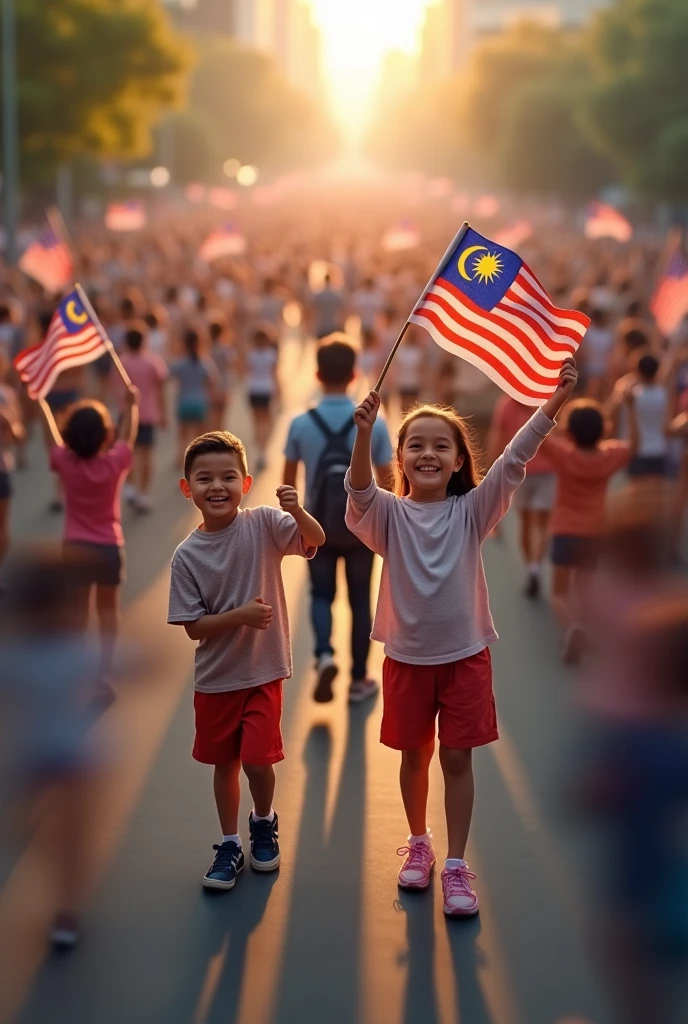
[[216, 572]]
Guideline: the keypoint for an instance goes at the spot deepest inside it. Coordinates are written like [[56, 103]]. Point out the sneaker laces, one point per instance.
[[225, 855], [419, 856], [264, 835], [457, 881]]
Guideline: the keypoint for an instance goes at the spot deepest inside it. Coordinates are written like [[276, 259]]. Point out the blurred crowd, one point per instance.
[[193, 335]]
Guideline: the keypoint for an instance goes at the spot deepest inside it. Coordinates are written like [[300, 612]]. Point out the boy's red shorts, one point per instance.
[[460, 692], [239, 725]]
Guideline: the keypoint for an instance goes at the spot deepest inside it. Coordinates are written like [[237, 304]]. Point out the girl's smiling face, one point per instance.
[[429, 456]]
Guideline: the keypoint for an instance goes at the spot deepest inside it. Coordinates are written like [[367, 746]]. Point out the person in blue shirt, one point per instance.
[[321, 439]]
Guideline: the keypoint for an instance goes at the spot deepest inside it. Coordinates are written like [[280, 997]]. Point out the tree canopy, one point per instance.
[[93, 77]]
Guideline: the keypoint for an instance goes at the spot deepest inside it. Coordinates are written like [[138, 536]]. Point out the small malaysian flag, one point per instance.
[[48, 261], [605, 222], [225, 241], [73, 339], [669, 303], [485, 305], [127, 216]]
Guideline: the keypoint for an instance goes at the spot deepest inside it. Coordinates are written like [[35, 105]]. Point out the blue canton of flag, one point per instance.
[[485, 305]]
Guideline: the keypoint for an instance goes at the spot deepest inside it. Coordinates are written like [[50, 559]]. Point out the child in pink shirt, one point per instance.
[[584, 465], [92, 470], [148, 373]]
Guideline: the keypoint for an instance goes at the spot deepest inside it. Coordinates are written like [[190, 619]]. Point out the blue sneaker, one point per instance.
[[229, 861], [265, 851]]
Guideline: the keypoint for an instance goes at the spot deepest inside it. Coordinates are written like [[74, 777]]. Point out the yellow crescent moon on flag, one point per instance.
[[464, 256], [76, 318]]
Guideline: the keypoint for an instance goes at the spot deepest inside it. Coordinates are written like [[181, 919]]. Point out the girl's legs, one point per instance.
[[107, 607], [457, 768], [262, 424], [414, 778], [526, 516], [4, 527], [227, 796], [539, 534], [561, 594], [261, 783]]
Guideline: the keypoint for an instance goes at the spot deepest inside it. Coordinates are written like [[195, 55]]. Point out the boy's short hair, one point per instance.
[[336, 359], [585, 423], [648, 365], [213, 442], [134, 336]]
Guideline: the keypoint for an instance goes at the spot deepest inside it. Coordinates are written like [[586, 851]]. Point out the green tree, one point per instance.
[[93, 78], [636, 109], [241, 105]]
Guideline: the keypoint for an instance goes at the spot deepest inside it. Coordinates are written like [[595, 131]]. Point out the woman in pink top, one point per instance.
[[433, 613], [147, 372], [92, 470], [584, 465]]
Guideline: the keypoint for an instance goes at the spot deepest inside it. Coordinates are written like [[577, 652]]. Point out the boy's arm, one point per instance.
[[361, 472], [256, 614], [310, 529], [130, 422]]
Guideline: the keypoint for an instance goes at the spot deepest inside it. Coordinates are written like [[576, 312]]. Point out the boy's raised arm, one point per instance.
[[310, 529]]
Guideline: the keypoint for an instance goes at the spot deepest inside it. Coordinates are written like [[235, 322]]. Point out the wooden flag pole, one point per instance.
[[83, 297], [57, 223], [458, 238]]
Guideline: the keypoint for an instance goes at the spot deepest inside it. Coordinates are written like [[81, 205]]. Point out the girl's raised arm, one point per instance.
[[361, 474], [53, 429]]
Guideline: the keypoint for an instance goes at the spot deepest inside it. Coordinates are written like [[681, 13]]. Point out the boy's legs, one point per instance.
[[414, 780], [457, 768], [261, 783], [227, 796], [359, 569]]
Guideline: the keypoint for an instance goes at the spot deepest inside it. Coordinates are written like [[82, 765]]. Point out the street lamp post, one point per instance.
[[10, 134]]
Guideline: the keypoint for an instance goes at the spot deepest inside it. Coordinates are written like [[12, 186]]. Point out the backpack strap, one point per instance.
[[325, 428]]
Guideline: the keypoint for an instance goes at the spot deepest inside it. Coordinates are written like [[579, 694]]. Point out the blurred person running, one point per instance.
[[262, 385], [196, 377], [92, 461], [408, 369], [596, 353], [148, 373], [322, 439], [327, 309], [223, 354], [534, 499], [226, 590], [433, 611]]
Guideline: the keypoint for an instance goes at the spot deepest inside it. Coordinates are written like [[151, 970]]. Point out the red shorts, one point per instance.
[[461, 692], [240, 725]]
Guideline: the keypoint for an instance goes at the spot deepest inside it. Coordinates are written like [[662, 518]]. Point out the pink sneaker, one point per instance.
[[415, 871], [460, 899]]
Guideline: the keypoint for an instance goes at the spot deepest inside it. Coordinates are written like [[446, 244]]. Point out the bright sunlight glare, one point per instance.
[[357, 34]]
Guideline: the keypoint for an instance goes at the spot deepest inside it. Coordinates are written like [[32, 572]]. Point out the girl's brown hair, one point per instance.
[[470, 474]]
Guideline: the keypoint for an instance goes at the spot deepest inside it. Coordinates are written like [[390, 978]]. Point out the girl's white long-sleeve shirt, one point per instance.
[[433, 606]]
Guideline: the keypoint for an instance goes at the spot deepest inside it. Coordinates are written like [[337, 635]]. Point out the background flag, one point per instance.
[[514, 234], [606, 222], [73, 339], [49, 261], [486, 306], [225, 241], [127, 216], [670, 301], [401, 237]]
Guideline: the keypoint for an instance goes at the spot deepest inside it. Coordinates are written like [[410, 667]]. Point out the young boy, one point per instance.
[[227, 592], [308, 442]]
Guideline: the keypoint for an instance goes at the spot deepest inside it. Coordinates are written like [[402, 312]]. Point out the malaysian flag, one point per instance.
[[48, 261], [485, 305], [605, 222], [225, 241], [670, 301], [73, 339], [126, 216]]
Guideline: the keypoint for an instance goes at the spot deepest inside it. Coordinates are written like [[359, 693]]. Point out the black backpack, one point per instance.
[[328, 493]]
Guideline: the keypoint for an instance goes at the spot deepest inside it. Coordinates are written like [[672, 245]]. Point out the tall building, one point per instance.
[[445, 40], [398, 76], [490, 17]]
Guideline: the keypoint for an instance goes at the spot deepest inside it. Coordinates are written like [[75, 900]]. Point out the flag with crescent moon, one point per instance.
[[485, 305], [73, 339]]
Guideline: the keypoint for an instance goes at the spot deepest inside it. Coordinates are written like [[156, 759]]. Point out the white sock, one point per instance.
[[454, 862], [267, 817], [534, 568], [232, 839], [425, 838]]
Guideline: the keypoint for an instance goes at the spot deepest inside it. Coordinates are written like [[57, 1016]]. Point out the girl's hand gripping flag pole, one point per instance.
[[485, 305]]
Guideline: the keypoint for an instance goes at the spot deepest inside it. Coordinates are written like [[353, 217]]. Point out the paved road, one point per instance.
[[330, 937]]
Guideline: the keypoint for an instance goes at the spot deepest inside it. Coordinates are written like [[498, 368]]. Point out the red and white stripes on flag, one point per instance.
[[73, 339], [519, 344], [48, 261]]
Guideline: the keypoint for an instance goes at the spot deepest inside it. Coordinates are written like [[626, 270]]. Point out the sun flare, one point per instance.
[[488, 268]]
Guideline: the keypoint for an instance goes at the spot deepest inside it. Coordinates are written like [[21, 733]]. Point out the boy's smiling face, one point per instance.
[[216, 486]]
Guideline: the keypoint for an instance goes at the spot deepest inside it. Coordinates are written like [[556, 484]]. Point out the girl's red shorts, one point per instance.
[[240, 725], [459, 692]]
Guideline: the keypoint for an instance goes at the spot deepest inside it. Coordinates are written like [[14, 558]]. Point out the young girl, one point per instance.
[[433, 614], [92, 470], [196, 378]]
